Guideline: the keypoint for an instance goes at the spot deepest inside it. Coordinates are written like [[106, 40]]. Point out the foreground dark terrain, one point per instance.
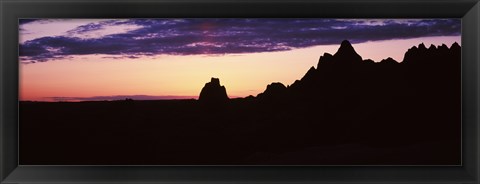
[[346, 111]]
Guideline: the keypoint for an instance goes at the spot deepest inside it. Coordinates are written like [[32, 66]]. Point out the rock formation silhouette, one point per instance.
[[274, 91], [346, 53], [366, 100], [346, 75], [213, 92], [347, 110]]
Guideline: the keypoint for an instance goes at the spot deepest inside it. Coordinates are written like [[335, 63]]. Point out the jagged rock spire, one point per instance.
[[346, 53]]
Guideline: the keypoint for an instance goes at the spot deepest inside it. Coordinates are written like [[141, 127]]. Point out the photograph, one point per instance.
[[240, 91]]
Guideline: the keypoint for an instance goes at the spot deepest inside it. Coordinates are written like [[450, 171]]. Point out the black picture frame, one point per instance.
[[12, 10]]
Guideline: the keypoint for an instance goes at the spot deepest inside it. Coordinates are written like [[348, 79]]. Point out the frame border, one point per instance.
[[11, 10]]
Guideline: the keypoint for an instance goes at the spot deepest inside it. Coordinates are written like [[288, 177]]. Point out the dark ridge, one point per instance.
[[344, 73], [369, 61], [344, 76], [432, 54], [311, 73], [389, 60], [326, 58], [346, 111], [275, 91]]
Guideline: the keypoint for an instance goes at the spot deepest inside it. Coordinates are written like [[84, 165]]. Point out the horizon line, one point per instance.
[[116, 98]]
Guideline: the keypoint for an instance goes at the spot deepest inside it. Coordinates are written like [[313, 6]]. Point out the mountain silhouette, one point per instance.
[[426, 83], [345, 74], [346, 53], [213, 92], [274, 91], [346, 110], [346, 97]]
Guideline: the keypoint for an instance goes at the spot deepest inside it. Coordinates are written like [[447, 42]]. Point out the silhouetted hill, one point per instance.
[[365, 100], [274, 91], [213, 92], [347, 110], [345, 74], [388, 61]]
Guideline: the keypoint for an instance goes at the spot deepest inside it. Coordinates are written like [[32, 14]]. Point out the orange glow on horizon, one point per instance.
[[167, 75]]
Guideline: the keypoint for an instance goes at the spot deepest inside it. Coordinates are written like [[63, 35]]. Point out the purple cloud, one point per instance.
[[229, 36]]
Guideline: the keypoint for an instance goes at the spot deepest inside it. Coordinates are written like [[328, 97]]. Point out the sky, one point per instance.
[[110, 59]]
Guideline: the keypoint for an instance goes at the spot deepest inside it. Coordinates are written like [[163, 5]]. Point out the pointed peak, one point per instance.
[[432, 47], [346, 53], [422, 46], [310, 71], [325, 58], [346, 43], [326, 54], [443, 46], [455, 45], [389, 60]]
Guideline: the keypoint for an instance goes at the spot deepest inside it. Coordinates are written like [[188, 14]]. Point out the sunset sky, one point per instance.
[[108, 59]]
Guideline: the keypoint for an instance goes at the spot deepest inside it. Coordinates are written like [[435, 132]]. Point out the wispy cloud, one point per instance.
[[101, 29], [139, 37]]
